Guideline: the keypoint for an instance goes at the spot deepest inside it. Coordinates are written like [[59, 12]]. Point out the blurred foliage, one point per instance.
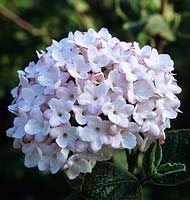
[[30, 25]]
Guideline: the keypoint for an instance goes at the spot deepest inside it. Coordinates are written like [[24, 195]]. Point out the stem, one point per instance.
[[24, 24], [16, 19], [164, 7], [132, 160], [145, 179], [83, 19]]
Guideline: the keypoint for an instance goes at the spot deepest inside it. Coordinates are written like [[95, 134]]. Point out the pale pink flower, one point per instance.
[[118, 111], [77, 165], [17, 131], [87, 95], [96, 132], [29, 100], [94, 96], [58, 113], [37, 124], [78, 69]]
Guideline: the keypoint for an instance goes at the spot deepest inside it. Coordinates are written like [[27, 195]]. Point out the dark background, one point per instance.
[[29, 25]]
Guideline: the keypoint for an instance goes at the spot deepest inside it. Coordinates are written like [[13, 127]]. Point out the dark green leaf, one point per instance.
[[134, 27], [128, 9], [169, 174], [166, 174], [184, 26], [156, 155], [107, 181], [177, 150], [177, 147], [171, 168], [152, 158], [156, 25]]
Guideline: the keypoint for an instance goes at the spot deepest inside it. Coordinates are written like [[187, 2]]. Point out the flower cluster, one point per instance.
[[89, 94]]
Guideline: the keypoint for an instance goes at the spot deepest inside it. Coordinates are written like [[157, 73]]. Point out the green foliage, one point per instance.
[[169, 174], [156, 25], [169, 166], [120, 158], [152, 159], [177, 147], [110, 182], [176, 150], [128, 20]]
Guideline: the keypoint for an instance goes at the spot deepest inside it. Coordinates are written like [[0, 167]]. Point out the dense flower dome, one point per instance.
[[89, 94]]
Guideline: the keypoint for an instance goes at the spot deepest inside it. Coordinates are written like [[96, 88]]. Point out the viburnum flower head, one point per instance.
[[89, 94]]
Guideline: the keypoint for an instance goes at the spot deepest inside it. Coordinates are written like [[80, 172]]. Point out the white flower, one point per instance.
[[96, 132], [167, 108], [29, 100], [68, 93], [128, 71], [162, 79], [149, 127], [63, 52], [31, 70], [50, 78], [77, 165], [145, 52], [160, 62], [143, 90], [58, 113], [17, 131], [94, 96], [118, 111], [85, 39], [97, 78], [87, 95], [32, 155], [96, 59], [37, 124], [79, 69], [104, 154], [64, 135], [52, 158], [144, 110], [125, 138], [116, 81], [82, 114]]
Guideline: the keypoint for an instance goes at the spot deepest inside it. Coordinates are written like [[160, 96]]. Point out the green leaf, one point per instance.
[[80, 6], [127, 9], [134, 26], [157, 25], [152, 158], [156, 155], [177, 150], [177, 147], [120, 158], [184, 26], [166, 174], [171, 168], [169, 174], [108, 181]]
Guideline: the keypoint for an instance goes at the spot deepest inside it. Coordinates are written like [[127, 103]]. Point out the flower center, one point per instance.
[[59, 114], [115, 112], [95, 98], [71, 96], [97, 129], [84, 113], [65, 135]]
